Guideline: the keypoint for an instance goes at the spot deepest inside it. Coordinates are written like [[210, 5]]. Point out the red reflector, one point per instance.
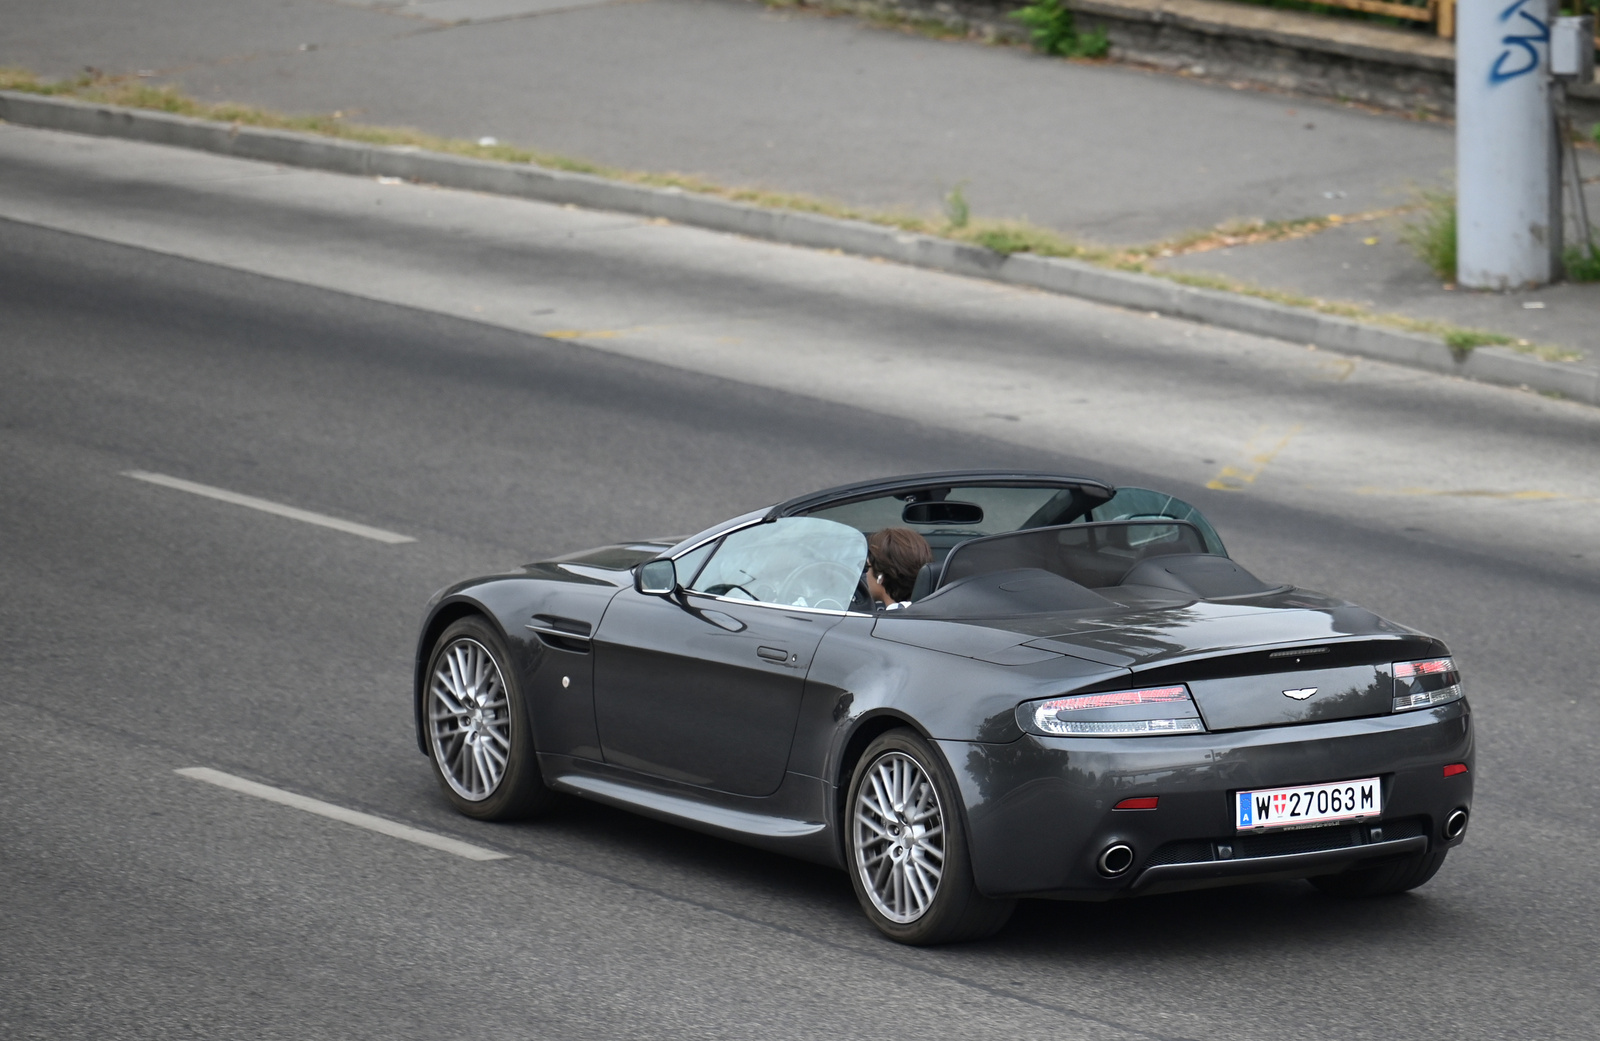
[[1455, 768], [1148, 802]]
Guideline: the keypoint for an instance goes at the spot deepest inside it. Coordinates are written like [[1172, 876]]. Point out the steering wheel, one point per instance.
[[725, 588], [813, 579]]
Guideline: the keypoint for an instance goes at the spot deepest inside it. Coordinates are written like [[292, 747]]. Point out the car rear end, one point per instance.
[[1299, 761]]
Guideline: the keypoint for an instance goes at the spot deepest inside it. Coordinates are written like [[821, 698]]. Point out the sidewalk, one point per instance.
[[831, 107]]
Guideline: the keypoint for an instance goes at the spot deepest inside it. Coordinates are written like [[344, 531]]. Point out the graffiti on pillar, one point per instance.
[[1520, 55]]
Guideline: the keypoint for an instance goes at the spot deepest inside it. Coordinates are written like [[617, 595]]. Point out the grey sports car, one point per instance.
[[1084, 698]]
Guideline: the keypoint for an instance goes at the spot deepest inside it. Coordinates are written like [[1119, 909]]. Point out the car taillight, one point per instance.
[[1423, 684], [1121, 713]]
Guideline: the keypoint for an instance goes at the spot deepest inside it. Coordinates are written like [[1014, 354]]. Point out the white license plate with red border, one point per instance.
[[1307, 804]]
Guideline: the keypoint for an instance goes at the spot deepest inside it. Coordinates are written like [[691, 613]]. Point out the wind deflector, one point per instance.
[[1094, 555], [1004, 594], [1204, 576]]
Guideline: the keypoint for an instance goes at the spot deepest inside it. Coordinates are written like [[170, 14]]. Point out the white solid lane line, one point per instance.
[[339, 813], [267, 506]]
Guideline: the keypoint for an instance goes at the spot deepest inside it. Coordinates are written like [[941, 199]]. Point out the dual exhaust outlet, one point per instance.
[[1117, 858]]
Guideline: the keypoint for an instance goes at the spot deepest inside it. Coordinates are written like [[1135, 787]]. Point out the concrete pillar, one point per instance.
[[1508, 170]]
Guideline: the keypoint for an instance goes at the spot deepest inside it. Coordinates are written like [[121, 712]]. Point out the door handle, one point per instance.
[[777, 654]]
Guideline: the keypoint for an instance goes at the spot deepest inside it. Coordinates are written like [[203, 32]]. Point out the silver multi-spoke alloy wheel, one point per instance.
[[469, 719], [899, 837]]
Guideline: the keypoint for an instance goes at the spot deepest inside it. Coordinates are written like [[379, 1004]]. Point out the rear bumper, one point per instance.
[[1040, 810], [1212, 870]]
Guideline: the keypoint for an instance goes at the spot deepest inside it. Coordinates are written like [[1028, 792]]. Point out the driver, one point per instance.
[[894, 556]]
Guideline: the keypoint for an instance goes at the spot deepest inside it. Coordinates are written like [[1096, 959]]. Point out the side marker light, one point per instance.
[[1147, 802], [1455, 768]]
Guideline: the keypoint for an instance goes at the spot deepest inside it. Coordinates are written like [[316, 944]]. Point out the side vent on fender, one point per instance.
[[565, 634]]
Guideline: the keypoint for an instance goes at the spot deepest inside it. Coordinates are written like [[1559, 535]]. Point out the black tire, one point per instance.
[[518, 791], [1397, 876], [956, 910]]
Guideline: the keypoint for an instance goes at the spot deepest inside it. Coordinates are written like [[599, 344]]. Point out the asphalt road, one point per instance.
[[147, 630]]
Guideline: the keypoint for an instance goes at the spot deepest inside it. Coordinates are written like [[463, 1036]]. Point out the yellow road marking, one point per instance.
[[584, 334], [1523, 495], [1259, 452], [1338, 369]]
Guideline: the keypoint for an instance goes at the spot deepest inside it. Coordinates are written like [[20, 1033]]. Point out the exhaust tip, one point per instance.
[[1455, 824], [1116, 859]]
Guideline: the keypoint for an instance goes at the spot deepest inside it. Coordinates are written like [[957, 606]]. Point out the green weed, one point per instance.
[[1007, 236], [1461, 341], [956, 210], [1582, 264], [1052, 30], [1432, 236]]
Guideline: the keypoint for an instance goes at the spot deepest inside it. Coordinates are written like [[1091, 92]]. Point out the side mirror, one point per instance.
[[656, 578]]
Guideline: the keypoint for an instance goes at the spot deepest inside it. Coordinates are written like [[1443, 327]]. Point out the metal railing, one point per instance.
[[1441, 13]]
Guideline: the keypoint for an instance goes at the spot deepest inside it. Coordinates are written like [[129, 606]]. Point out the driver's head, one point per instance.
[[897, 554]]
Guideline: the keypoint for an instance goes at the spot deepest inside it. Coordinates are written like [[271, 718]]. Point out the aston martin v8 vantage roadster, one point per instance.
[[1082, 697]]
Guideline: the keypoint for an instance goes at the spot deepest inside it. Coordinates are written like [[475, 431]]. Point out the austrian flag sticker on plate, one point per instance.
[[1309, 804]]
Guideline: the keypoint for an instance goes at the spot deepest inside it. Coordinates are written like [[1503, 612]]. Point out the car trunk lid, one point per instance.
[[1253, 667]]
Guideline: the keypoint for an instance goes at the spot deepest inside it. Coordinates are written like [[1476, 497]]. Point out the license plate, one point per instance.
[[1308, 804]]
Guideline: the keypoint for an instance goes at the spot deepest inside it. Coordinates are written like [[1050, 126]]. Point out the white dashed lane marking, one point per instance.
[[339, 813], [267, 506]]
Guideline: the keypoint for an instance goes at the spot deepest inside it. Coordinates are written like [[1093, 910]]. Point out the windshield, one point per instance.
[[948, 510], [793, 561]]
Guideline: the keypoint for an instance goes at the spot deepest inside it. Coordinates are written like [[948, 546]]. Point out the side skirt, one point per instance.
[[768, 823]]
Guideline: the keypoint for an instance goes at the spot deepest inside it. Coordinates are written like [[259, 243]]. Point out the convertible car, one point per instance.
[[1084, 698]]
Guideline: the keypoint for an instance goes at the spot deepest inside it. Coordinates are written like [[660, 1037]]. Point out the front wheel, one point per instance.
[[1395, 877], [479, 741], [907, 847]]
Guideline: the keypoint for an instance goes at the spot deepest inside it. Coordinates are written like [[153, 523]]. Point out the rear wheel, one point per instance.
[[478, 736], [907, 847], [1395, 877]]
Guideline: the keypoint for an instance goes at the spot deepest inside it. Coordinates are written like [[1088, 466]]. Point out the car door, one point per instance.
[[703, 687]]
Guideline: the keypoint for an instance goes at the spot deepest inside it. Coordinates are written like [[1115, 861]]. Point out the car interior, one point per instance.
[[1069, 532]]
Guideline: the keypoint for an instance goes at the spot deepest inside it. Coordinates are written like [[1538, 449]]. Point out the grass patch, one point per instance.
[[131, 92], [1459, 339], [1432, 236], [1009, 236], [1582, 264], [956, 210], [1052, 30], [1462, 341], [956, 223]]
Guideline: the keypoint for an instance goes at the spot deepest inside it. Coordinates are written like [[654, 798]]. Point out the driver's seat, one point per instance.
[[927, 580]]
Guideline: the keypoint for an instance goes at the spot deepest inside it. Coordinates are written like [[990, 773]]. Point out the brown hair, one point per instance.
[[898, 554]]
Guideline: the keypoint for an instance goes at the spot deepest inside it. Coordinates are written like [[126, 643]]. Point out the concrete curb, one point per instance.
[[1074, 278]]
